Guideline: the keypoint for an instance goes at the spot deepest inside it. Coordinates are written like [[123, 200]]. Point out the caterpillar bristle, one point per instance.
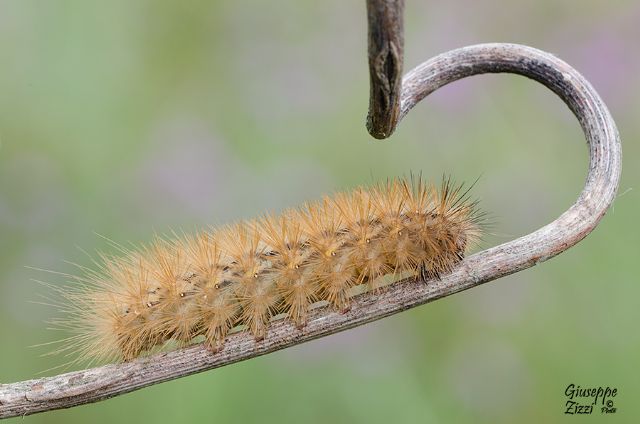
[[290, 272], [244, 274], [329, 257]]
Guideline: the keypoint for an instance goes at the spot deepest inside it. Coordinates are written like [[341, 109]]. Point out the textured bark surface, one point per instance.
[[386, 48], [76, 388]]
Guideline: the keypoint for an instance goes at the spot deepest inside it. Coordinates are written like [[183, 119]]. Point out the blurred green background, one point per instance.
[[129, 118]]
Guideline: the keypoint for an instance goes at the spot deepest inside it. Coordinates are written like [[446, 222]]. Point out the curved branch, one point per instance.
[[389, 102], [95, 384]]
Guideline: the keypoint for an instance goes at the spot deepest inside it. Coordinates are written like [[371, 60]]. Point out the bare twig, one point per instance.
[[386, 47], [81, 387]]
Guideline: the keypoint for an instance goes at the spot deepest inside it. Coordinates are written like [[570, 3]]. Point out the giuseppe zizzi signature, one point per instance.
[[586, 400]]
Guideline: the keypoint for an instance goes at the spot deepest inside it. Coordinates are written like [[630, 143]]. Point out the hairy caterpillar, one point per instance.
[[242, 275]]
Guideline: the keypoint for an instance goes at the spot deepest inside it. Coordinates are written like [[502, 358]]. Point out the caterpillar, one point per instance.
[[240, 276]]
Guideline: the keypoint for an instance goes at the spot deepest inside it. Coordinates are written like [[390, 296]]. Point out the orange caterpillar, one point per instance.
[[246, 273]]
